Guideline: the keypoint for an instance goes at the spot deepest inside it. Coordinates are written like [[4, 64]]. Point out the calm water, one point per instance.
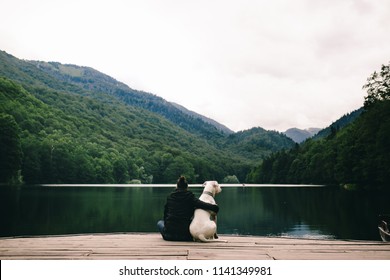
[[304, 212]]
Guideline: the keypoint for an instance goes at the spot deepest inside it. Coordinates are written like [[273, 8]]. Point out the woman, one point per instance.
[[178, 212]]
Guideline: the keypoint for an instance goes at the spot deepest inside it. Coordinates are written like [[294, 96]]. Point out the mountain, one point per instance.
[[257, 142], [300, 135], [93, 80], [210, 130], [339, 124], [216, 124], [71, 124]]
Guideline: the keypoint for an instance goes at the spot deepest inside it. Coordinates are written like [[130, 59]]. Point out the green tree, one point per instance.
[[231, 179], [10, 150], [179, 166], [378, 86]]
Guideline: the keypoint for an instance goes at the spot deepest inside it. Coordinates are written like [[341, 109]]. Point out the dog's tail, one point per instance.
[[203, 238]]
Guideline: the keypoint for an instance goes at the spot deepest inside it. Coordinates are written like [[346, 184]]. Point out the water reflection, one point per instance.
[[304, 212]]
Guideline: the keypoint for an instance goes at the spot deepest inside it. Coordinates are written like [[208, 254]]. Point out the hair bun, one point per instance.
[[182, 182]]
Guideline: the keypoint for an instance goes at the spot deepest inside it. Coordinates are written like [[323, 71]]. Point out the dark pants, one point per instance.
[[160, 226], [171, 236]]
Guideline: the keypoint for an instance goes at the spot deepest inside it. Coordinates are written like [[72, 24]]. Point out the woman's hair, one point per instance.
[[182, 183]]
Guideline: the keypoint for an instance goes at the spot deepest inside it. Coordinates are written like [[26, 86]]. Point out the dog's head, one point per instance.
[[212, 186]]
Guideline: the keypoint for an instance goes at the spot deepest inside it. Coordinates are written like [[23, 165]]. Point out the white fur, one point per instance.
[[202, 227]]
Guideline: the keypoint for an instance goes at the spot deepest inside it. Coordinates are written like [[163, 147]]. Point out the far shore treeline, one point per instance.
[[71, 124]]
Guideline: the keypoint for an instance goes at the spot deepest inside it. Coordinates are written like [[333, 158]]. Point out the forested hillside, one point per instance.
[[78, 125], [257, 142], [195, 115], [339, 124], [357, 154], [92, 80]]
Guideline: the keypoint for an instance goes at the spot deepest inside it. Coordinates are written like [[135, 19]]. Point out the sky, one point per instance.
[[246, 63]]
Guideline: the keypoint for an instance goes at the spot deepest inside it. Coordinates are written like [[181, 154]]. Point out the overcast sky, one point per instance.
[[274, 64]]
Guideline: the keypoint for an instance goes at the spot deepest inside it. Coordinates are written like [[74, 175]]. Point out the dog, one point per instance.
[[203, 226]]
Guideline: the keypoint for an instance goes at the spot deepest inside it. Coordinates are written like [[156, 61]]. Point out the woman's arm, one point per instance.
[[205, 206]]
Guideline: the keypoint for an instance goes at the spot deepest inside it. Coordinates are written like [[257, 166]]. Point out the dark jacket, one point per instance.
[[178, 212]]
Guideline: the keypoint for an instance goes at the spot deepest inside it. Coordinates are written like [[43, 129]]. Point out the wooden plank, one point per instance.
[[329, 256], [197, 254]]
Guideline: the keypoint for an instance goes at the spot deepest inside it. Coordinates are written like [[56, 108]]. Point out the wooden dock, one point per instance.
[[146, 246]]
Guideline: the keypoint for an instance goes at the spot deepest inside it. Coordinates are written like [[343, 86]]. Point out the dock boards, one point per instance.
[[151, 246]]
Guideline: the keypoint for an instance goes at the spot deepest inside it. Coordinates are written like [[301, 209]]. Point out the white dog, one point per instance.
[[204, 224]]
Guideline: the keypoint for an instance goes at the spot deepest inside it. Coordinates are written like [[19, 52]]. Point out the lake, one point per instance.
[[289, 211]]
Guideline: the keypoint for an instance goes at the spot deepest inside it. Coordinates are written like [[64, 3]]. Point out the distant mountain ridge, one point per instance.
[[300, 135]]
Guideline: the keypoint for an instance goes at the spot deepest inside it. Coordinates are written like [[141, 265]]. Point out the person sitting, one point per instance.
[[178, 212]]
